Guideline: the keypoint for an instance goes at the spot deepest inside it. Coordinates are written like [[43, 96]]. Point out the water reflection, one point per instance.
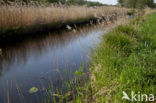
[[42, 61]]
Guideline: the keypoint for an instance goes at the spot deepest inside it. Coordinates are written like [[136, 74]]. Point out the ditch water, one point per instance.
[[44, 61]]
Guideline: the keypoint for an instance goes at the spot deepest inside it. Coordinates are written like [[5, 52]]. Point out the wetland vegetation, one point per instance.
[[125, 61], [21, 19], [55, 51]]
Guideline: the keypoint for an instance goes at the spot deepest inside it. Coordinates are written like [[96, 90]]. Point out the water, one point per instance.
[[44, 61]]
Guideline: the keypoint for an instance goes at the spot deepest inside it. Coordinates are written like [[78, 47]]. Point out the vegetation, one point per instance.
[[41, 1], [73, 89], [22, 17], [68, 2], [125, 61], [137, 3], [83, 2]]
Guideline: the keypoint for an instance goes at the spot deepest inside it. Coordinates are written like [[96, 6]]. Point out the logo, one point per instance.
[[138, 97]]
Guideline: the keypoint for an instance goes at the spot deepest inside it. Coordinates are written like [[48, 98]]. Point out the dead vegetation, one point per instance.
[[21, 15]]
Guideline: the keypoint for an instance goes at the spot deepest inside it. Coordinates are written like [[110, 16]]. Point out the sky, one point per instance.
[[107, 1]]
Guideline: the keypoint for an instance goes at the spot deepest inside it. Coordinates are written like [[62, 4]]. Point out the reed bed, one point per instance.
[[22, 15]]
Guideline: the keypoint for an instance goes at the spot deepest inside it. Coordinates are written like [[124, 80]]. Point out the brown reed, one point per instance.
[[21, 15]]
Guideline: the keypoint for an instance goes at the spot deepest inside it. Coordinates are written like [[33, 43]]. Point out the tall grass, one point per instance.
[[22, 15]]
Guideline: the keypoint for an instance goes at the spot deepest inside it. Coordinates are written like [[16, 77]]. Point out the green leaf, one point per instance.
[[33, 90]]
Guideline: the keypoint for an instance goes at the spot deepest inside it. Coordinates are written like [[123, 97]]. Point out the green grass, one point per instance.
[[126, 61]]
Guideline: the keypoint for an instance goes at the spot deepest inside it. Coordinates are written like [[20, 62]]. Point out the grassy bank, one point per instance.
[[125, 61]]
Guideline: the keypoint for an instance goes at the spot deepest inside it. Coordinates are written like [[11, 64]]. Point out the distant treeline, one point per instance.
[[137, 3], [68, 2]]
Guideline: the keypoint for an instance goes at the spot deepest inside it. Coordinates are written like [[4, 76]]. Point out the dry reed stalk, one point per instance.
[[21, 15], [148, 10]]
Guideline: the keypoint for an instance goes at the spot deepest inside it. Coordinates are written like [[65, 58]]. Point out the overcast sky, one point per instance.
[[109, 1]]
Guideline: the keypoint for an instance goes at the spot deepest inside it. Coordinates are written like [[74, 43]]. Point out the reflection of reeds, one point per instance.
[[17, 15]]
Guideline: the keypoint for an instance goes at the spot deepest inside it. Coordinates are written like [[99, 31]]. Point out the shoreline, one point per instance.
[[121, 63], [17, 34], [20, 22]]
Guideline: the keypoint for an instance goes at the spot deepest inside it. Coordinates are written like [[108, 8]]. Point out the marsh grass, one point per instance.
[[14, 16], [125, 61], [74, 88], [80, 89]]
